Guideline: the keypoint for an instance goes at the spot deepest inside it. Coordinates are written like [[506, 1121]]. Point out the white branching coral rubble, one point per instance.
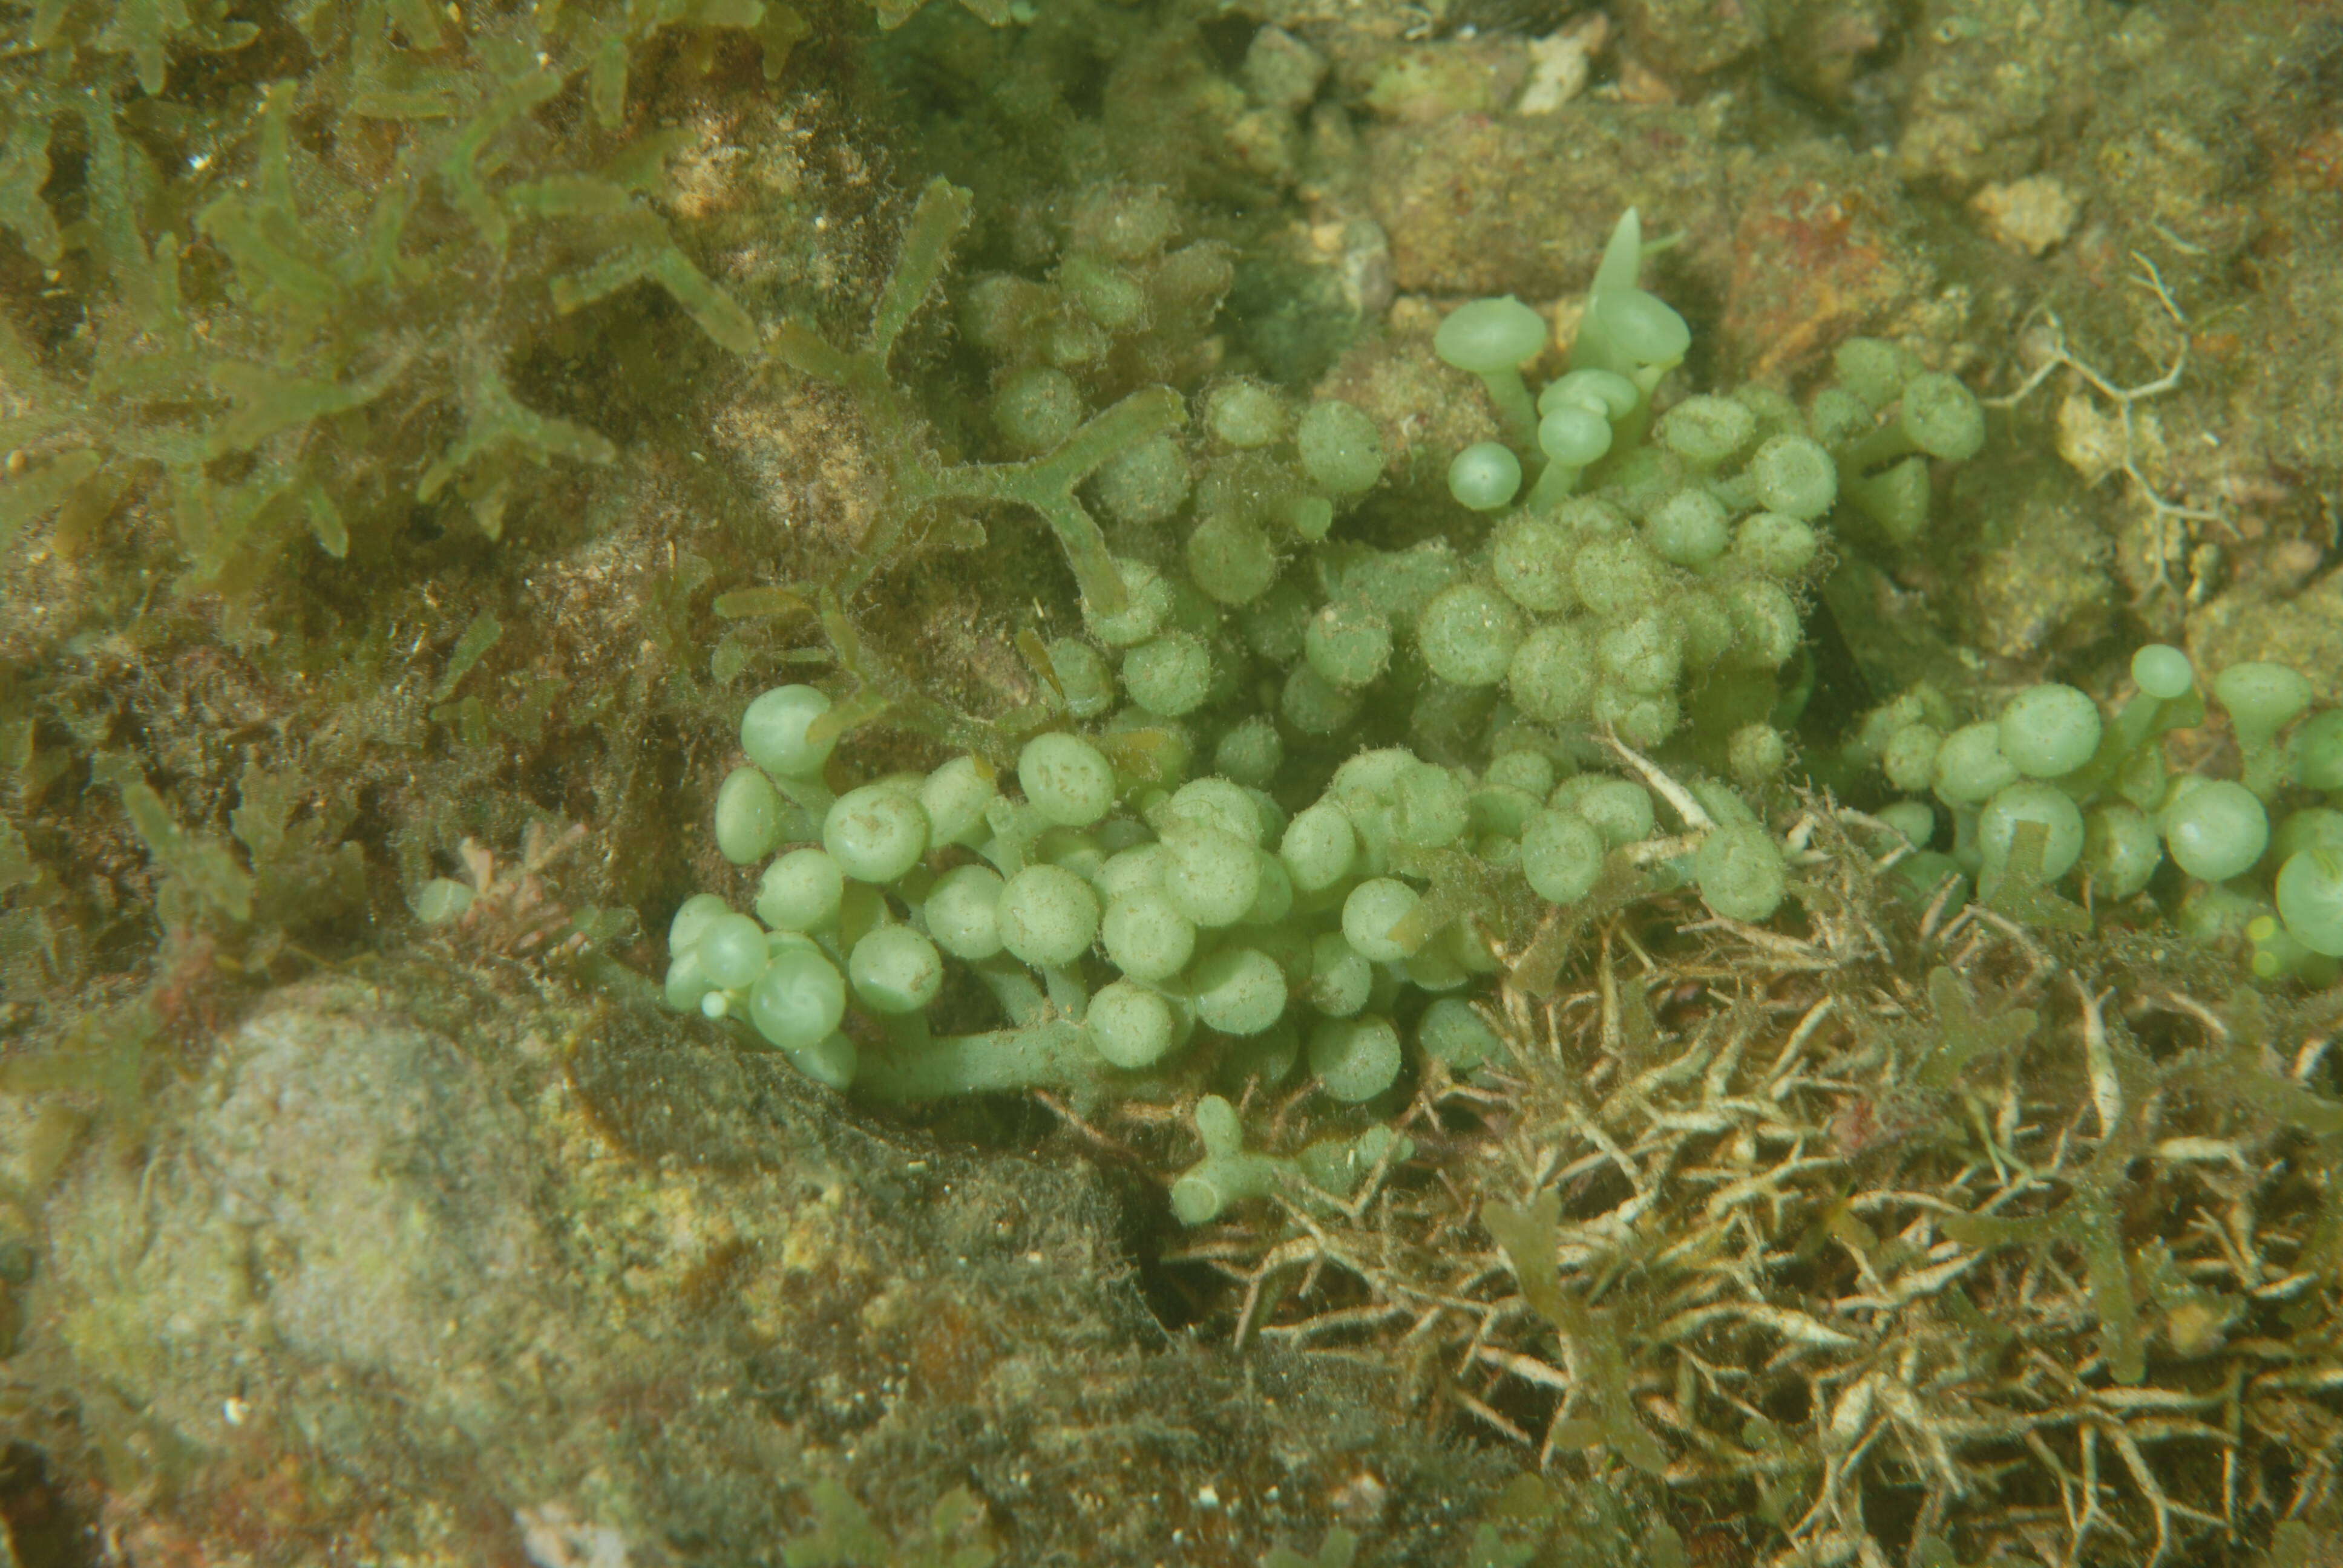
[[2031, 1250]]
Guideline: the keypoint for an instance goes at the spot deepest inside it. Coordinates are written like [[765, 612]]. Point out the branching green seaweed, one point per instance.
[[317, 302], [919, 483]]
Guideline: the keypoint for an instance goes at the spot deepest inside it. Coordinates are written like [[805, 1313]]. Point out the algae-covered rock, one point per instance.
[[433, 1270], [2044, 588], [1481, 205], [2304, 632]]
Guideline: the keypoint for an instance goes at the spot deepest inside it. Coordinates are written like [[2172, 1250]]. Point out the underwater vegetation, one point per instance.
[[305, 316], [1824, 1103], [1008, 781]]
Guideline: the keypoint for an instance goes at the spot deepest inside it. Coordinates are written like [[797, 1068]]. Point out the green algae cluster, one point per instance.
[[342, 267], [1229, 788], [314, 259]]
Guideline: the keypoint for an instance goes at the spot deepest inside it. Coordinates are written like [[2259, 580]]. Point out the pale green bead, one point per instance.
[[1230, 559], [1146, 483], [2313, 827], [686, 984], [1214, 803], [1704, 625], [1402, 582], [1037, 409], [1211, 876], [1131, 1027], [1758, 754], [1341, 449], [1873, 369], [1349, 643], [2121, 849], [801, 891], [696, 914], [875, 834], [2162, 671], [774, 731], [748, 816], [799, 1001], [1430, 806], [1740, 872], [1490, 334], [1794, 477], [1766, 626], [1530, 556], [2025, 801], [1450, 1030], [1239, 991], [1562, 856], [1138, 870], [1551, 674], [1251, 753], [1275, 899], [1690, 528], [1529, 771], [1909, 757], [1110, 296], [1273, 816], [1641, 719], [955, 798], [1638, 327], [1942, 417], [1309, 517], [2317, 751], [1590, 517], [1571, 437], [1619, 809], [1319, 847], [1066, 779], [1244, 413], [1048, 916], [963, 912], [2261, 698], [732, 951], [1615, 576], [2049, 730], [1076, 851], [1836, 417], [1170, 675], [1707, 431], [1147, 607], [1355, 1059], [2218, 830], [1084, 677], [1341, 981], [1970, 769], [1604, 392], [1146, 936], [1371, 918], [894, 969], [1643, 653], [1371, 777], [1776, 544], [1720, 800], [1485, 476], [1468, 634], [1914, 820], [2310, 899]]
